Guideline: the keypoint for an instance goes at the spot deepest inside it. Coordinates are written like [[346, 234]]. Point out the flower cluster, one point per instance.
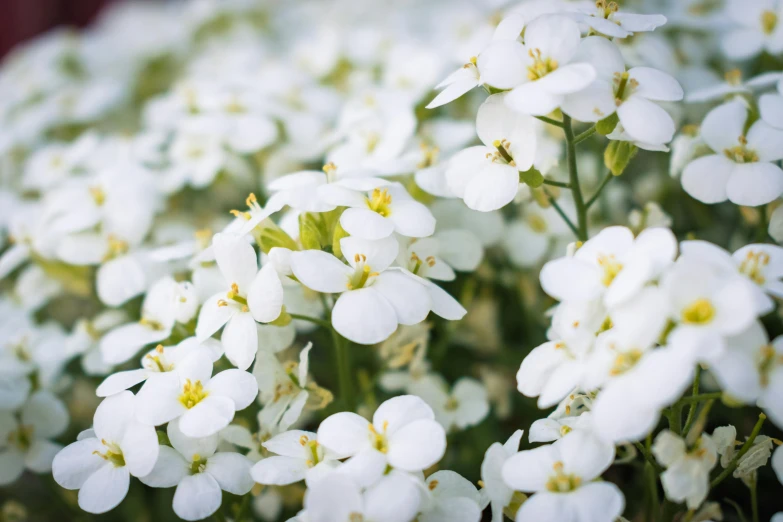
[[256, 252]]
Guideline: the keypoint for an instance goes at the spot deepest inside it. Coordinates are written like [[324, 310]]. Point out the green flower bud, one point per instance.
[[618, 155]]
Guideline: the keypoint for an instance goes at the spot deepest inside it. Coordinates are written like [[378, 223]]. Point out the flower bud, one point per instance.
[[618, 155]]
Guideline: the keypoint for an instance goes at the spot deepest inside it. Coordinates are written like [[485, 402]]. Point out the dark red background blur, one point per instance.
[[23, 19]]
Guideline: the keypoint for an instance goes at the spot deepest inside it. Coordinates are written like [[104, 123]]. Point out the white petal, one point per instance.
[[556, 36], [742, 44], [104, 489], [158, 399], [584, 454], [364, 316], [409, 298], [502, 64], [11, 466], [706, 178], [771, 108], [207, 417], [265, 296], [464, 166], [140, 447], [113, 415], [534, 99], [76, 462], [236, 259], [333, 499], [723, 125], [189, 447], [568, 79], [593, 103], [239, 386], [240, 339], [399, 486], [212, 316], [412, 219], [120, 381], [645, 121], [655, 85], [231, 471], [124, 342], [529, 470], [417, 445], [46, 414], [569, 279], [344, 434], [753, 184], [765, 141], [197, 496], [364, 223], [279, 471], [40, 456], [169, 470], [495, 187], [380, 253], [320, 271]]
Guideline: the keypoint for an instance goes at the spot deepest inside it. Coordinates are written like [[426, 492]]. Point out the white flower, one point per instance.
[[751, 369], [336, 498], [298, 456], [205, 403], [707, 304], [464, 406], [437, 257], [757, 28], [612, 264], [487, 177], [546, 65], [403, 434], [457, 83], [561, 475], [605, 19], [733, 85], [158, 316], [742, 168], [495, 487], [198, 473], [282, 389], [451, 498], [25, 443], [551, 429], [100, 463], [687, 474], [251, 295], [777, 463], [159, 360], [631, 94], [379, 212], [373, 299]]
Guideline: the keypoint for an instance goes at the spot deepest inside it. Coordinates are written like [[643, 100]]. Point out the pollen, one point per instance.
[[541, 66], [754, 265], [98, 195], [769, 21], [192, 393], [733, 77], [380, 202], [701, 311], [560, 482], [151, 323], [432, 485], [611, 268]]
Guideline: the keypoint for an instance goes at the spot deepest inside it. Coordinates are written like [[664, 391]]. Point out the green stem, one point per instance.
[[652, 484], [342, 357], [556, 183], [550, 120], [561, 213], [692, 409], [761, 231], [745, 448], [648, 457], [573, 174], [582, 136], [700, 398], [600, 189], [675, 418], [314, 320], [754, 499]]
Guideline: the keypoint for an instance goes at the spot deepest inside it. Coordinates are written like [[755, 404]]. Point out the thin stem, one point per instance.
[[761, 231], [557, 183], [573, 174], [551, 121], [700, 398], [652, 484], [754, 499], [561, 213], [600, 189], [745, 448], [692, 409], [648, 457], [582, 136], [342, 357], [675, 418], [314, 320]]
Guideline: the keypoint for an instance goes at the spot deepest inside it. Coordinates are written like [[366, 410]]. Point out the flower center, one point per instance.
[[452, 404], [112, 454], [380, 202], [115, 248], [233, 295], [611, 268], [416, 263], [379, 440], [769, 21], [624, 86], [429, 156], [537, 223], [152, 324], [607, 8], [198, 465], [561, 482], [766, 362], [252, 203], [98, 195], [192, 394], [22, 438], [740, 153], [541, 66], [701, 311], [753, 266], [733, 77], [316, 453], [625, 361], [157, 362], [361, 274]]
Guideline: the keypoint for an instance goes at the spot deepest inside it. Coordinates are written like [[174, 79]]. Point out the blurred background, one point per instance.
[[21, 20]]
